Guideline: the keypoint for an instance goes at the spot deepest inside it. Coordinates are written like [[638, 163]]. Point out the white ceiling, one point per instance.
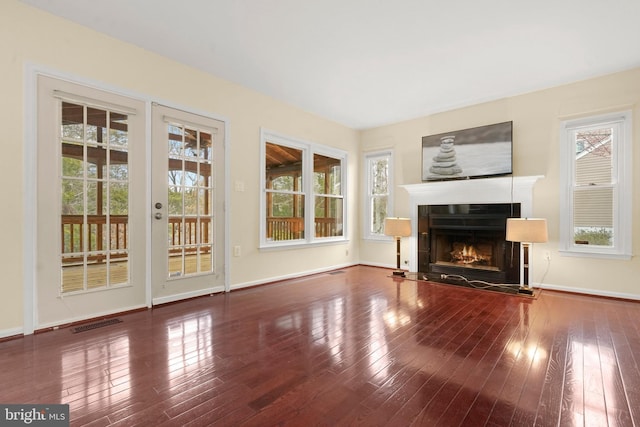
[[365, 63]]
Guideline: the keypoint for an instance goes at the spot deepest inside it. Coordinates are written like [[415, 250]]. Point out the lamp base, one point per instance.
[[526, 291], [399, 273]]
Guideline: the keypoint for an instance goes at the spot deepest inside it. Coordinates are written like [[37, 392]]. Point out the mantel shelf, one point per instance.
[[484, 190]]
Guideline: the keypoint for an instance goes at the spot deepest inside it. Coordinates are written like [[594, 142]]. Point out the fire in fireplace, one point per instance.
[[472, 256], [467, 241]]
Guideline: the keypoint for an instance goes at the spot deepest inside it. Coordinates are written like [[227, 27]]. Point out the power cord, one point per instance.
[[479, 284], [544, 275]]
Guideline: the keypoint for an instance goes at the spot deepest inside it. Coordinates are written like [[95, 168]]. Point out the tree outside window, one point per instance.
[[378, 179]]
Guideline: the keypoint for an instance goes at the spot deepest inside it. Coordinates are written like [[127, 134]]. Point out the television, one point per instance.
[[478, 152]]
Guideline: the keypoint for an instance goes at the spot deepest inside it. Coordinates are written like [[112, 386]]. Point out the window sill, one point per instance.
[[595, 254], [384, 239], [297, 244]]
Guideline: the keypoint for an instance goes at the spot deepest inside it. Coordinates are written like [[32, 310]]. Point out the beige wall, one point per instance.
[[29, 36], [536, 118]]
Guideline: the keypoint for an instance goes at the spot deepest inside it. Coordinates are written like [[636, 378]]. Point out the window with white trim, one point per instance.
[[303, 192], [596, 196], [379, 182]]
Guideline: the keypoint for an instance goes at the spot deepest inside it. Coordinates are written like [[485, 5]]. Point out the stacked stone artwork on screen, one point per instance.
[[479, 152], [444, 163]]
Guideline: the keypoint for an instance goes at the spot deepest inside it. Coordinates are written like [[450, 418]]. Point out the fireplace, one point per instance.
[[459, 243], [462, 194]]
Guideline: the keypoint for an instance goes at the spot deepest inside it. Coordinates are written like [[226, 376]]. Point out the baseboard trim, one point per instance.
[[84, 319], [381, 265], [186, 295], [588, 292], [274, 279], [9, 334]]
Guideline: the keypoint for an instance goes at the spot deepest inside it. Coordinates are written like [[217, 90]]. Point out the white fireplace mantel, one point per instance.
[[472, 191]]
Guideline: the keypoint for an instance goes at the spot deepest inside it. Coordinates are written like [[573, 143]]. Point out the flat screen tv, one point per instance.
[[478, 152]]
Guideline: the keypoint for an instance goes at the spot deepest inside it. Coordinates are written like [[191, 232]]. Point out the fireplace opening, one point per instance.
[[467, 250], [467, 241]]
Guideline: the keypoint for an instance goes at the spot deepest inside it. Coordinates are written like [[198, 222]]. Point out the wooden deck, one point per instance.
[[354, 347]]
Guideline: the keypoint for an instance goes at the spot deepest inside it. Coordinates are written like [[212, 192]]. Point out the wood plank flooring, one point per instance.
[[355, 347]]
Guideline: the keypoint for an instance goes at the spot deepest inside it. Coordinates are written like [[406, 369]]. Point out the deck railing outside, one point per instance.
[[292, 228], [278, 228], [73, 236]]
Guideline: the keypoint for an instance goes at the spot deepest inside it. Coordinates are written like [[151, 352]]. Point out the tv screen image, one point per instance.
[[468, 153]]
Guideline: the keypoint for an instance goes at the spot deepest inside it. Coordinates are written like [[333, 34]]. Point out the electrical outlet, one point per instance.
[[237, 251], [547, 255]]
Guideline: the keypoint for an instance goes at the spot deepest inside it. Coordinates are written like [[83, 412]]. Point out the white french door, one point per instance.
[[93, 222], [91, 180], [187, 231]]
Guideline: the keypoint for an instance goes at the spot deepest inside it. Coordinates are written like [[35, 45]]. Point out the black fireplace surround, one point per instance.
[[465, 243]]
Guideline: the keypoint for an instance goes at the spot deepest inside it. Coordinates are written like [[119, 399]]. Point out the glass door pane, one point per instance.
[[190, 202], [187, 190], [94, 191]]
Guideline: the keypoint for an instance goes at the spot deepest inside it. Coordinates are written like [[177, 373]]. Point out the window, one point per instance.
[[596, 192], [379, 179], [303, 192]]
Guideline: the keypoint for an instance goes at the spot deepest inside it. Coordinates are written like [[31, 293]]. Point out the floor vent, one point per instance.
[[90, 326], [336, 272]]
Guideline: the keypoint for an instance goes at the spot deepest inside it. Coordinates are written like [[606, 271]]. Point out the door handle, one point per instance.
[[158, 215]]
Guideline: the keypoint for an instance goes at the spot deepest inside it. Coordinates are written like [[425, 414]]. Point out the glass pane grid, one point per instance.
[[190, 200], [89, 166]]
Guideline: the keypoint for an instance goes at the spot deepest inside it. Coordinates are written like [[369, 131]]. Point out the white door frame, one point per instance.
[[31, 73]]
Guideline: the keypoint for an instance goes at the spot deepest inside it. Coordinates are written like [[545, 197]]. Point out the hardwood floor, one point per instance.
[[354, 347]]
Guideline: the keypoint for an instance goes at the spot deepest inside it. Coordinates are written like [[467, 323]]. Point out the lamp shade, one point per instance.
[[527, 230], [397, 227]]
